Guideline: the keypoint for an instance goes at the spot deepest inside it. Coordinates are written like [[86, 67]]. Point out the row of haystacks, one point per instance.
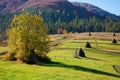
[[91, 35], [81, 53]]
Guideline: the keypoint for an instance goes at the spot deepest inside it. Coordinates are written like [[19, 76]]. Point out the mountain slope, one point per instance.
[[17, 5], [94, 9], [43, 3], [10, 5], [56, 4]]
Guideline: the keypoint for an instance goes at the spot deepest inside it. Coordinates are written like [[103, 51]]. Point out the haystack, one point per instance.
[[114, 34], [88, 45], [114, 41], [89, 34], [79, 52]]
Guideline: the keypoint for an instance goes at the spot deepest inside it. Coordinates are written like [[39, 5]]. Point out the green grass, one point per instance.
[[97, 65]]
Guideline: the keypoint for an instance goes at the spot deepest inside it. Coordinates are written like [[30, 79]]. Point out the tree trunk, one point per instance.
[[34, 57]]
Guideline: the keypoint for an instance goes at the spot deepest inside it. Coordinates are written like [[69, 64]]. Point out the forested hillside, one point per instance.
[[94, 9]]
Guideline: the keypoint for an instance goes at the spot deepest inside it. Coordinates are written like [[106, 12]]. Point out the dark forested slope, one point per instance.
[[61, 15]]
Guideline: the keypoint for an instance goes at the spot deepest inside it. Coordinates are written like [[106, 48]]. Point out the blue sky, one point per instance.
[[112, 6]]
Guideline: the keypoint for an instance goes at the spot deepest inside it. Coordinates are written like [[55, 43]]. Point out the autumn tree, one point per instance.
[[65, 32], [28, 40]]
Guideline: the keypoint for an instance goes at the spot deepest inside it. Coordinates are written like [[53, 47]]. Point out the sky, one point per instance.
[[112, 6]]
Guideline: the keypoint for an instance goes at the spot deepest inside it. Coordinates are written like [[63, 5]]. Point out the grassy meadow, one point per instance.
[[98, 64]]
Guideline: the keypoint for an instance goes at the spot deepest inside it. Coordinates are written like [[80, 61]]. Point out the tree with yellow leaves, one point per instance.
[[27, 39]]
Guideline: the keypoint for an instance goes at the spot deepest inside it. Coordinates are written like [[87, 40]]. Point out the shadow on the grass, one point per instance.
[[83, 42], [117, 68], [81, 68], [97, 50], [66, 48], [93, 58], [105, 52], [89, 58]]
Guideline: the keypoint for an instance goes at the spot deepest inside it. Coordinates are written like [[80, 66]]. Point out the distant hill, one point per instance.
[[18, 5], [87, 9], [15, 5], [57, 4], [94, 9], [10, 5]]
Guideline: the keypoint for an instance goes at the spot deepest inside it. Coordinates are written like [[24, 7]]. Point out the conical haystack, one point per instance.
[[88, 45], [114, 41], [79, 52]]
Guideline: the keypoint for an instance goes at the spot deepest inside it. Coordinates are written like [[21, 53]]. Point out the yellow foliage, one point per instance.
[[27, 33]]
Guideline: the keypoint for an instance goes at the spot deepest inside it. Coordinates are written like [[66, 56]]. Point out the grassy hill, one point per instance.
[[98, 65]]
